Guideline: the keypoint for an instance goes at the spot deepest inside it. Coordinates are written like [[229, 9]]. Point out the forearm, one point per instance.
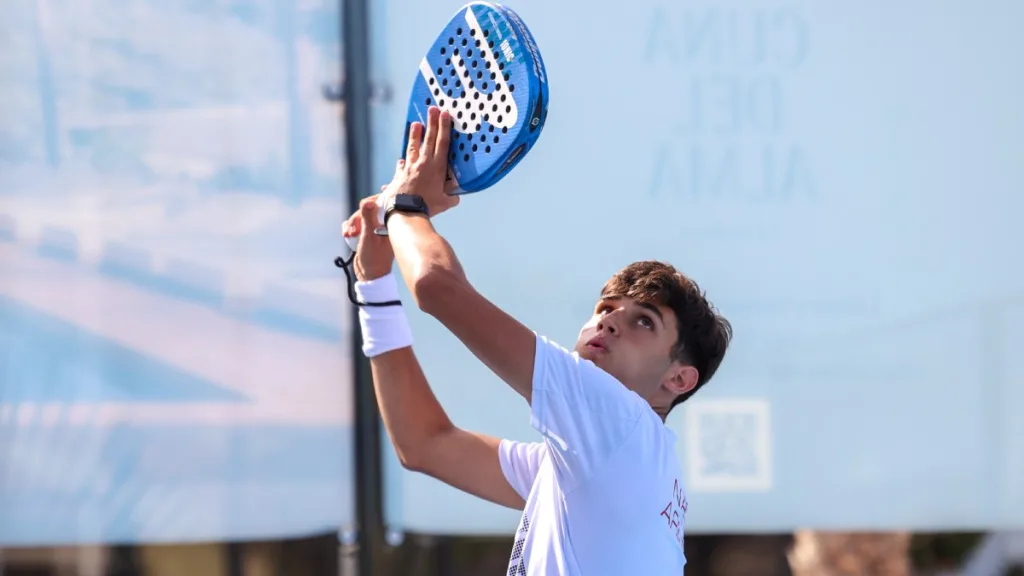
[[411, 413], [437, 282], [425, 259]]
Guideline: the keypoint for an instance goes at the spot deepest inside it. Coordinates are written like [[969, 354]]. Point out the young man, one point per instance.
[[602, 493]]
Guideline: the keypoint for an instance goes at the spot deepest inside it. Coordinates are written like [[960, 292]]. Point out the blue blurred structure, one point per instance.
[[171, 327]]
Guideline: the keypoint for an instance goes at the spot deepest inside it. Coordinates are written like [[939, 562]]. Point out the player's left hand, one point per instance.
[[426, 163]]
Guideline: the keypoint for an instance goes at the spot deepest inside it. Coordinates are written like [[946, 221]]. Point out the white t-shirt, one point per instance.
[[603, 491]]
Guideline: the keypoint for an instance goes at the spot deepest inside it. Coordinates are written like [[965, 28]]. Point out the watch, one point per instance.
[[407, 203]]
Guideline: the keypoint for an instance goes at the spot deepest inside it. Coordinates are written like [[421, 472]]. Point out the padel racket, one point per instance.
[[485, 69]]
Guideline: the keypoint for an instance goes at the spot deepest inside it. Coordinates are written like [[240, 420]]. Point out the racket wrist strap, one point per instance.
[[384, 328]]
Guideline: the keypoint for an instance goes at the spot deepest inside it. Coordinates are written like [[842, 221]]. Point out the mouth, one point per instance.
[[596, 344]]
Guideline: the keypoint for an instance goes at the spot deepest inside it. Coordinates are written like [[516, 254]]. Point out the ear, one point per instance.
[[680, 378]]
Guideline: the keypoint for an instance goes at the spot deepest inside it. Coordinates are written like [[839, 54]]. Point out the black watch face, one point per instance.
[[411, 203]]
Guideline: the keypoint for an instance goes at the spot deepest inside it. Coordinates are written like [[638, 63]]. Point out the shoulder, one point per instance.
[[560, 370]]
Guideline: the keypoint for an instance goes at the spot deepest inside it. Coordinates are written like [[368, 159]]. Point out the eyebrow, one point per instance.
[[645, 305]]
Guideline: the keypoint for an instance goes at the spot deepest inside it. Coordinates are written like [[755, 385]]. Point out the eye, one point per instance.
[[646, 322]]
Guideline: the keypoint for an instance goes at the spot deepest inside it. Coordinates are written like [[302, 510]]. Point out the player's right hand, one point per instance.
[[374, 256]]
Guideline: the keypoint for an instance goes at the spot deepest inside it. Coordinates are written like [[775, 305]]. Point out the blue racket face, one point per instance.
[[485, 69]]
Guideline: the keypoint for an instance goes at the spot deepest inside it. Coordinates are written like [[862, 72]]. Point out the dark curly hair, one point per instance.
[[704, 334]]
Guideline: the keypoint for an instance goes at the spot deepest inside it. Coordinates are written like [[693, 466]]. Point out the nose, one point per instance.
[[609, 323]]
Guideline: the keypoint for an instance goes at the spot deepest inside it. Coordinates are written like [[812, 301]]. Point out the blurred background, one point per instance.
[[180, 388]]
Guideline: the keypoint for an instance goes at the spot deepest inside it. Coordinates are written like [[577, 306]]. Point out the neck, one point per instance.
[[661, 411]]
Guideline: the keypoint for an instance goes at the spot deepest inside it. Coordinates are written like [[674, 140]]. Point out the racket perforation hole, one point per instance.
[[462, 146], [496, 139], [501, 65], [459, 115], [463, 95], [473, 64], [487, 33], [487, 149], [507, 110], [464, 125], [447, 61], [440, 70], [474, 147], [449, 93], [476, 95], [499, 119], [477, 127], [456, 52], [458, 83], [477, 44], [427, 102], [493, 76], [466, 157], [479, 75], [441, 103], [468, 104], [437, 91], [464, 42], [472, 31], [430, 81], [443, 50], [458, 32], [507, 78], [485, 85], [469, 52], [504, 130], [444, 82], [490, 43], [487, 64], [451, 40], [481, 106], [511, 87]]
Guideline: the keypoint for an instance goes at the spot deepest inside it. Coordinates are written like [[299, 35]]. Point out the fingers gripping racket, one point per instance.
[[485, 69]]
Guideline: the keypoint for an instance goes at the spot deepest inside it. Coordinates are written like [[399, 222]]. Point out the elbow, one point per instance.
[[409, 462], [411, 457], [434, 288], [422, 456]]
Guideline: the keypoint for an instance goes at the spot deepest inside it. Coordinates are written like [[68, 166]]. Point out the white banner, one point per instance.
[[845, 181]]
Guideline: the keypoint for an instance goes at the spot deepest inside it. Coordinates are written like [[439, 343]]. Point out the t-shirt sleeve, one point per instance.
[[583, 412], [520, 462]]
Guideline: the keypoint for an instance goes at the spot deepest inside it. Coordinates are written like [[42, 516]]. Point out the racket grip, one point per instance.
[[380, 230]]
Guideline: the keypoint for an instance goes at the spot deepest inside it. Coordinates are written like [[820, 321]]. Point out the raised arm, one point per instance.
[[424, 437], [433, 273], [426, 440]]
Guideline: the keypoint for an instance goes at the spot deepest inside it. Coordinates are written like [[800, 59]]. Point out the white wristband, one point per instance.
[[385, 328]]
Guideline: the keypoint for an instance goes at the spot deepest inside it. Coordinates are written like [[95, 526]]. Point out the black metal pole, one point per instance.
[[368, 467]]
